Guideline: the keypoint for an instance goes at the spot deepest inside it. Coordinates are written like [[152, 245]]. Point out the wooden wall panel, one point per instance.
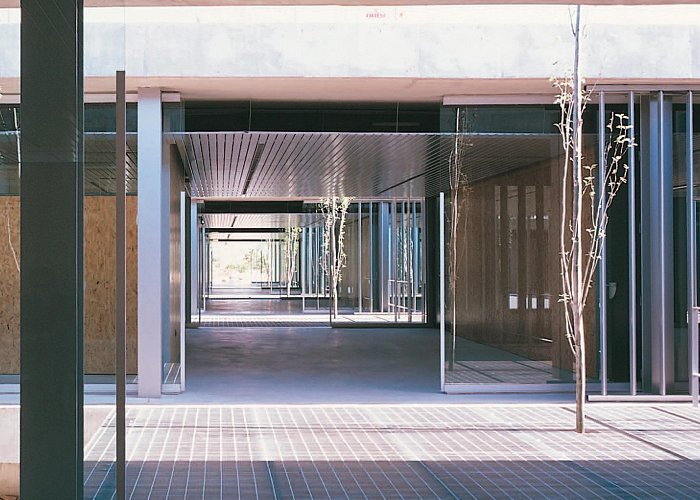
[[9, 285], [99, 285]]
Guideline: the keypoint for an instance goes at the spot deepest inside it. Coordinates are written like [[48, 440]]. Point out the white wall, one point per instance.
[[416, 42]]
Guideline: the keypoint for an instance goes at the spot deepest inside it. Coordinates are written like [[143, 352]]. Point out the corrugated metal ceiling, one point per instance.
[[316, 164], [307, 165], [100, 155]]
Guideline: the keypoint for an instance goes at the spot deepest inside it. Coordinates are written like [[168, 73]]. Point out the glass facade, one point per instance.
[[683, 144], [508, 316], [507, 313]]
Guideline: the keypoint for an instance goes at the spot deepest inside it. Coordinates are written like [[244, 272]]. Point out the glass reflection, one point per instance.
[[508, 318]]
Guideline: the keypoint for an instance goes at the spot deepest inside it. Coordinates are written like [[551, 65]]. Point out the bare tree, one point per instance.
[[584, 215], [269, 262], [458, 199], [334, 210], [291, 251]]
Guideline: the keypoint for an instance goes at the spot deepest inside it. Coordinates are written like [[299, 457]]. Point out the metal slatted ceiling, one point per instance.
[[256, 164], [240, 164], [220, 221], [315, 164], [225, 221], [268, 164], [9, 173], [100, 155]]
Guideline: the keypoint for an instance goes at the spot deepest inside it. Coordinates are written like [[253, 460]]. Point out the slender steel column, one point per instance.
[[644, 174], [442, 291], [302, 270], [394, 239], [194, 259], [210, 257], [414, 242], [309, 261], [203, 267], [184, 299], [120, 298], [602, 265], [370, 255], [359, 257], [384, 250], [692, 255], [51, 268], [632, 249], [423, 260], [666, 242]]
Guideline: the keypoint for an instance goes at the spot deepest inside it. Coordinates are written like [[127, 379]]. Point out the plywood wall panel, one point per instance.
[[99, 285], [9, 285]]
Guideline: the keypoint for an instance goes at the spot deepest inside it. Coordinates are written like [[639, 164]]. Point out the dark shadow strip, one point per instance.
[[270, 465], [436, 478], [632, 436], [683, 417]]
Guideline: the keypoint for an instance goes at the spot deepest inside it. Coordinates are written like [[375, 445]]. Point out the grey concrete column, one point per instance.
[[51, 278], [153, 243]]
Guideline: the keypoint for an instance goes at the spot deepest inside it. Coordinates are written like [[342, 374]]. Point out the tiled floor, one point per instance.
[[513, 371], [224, 311], [390, 451]]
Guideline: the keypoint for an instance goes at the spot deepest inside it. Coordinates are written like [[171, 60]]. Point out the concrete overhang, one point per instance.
[[369, 3], [101, 89]]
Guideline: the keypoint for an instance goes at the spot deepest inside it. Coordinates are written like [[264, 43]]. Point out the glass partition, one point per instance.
[[504, 326], [504, 319], [685, 209]]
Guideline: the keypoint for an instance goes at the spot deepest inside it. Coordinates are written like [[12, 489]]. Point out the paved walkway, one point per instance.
[[402, 451], [223, 311]]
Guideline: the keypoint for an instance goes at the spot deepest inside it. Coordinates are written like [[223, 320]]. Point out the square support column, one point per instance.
[[51, 278], [657, 243], [153, 244], [194, 260]]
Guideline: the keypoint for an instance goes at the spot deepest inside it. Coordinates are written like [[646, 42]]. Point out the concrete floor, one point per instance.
[[319, 365], [311, 365], [314, 365]]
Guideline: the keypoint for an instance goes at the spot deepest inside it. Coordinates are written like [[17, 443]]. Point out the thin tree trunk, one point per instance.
[[580, 375], [334, 263], [578, 234], [289, 264], [453, 280], [290, 271]]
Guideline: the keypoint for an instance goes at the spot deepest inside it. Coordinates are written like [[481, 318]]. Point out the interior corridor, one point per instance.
[[311, 364]]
